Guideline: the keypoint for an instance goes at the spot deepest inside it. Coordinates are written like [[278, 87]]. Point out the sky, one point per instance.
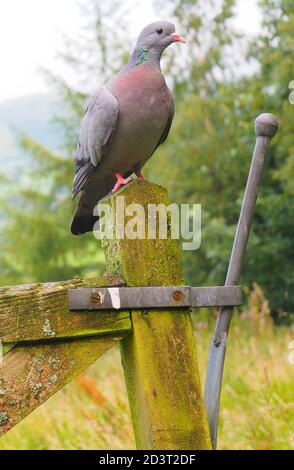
[[31, 34]]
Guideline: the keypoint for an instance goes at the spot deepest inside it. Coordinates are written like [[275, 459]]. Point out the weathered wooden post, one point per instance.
[[159, 355]]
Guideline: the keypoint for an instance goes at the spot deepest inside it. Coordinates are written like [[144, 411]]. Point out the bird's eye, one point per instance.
[[159, 31]]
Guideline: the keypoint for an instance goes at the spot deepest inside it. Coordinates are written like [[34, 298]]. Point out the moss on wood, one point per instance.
[[159, 357]]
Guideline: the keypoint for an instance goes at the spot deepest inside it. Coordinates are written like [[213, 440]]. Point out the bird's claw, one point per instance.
[[120, 182]]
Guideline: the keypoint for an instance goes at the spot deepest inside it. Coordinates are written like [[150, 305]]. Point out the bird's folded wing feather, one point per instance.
[[97, 129], [166, 130]]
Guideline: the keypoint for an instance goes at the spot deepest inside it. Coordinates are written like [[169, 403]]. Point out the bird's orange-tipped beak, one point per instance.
[[177, 38]]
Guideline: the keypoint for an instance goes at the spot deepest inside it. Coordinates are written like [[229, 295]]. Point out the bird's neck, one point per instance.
[[145, 55]]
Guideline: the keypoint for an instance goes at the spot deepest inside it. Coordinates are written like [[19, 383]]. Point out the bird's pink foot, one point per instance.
[[140, 176], [120, 181]]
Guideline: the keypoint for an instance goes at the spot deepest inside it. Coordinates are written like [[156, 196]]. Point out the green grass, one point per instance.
[[257, 407]]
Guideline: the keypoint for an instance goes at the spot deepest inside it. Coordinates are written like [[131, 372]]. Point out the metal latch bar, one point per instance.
[[120, 298]]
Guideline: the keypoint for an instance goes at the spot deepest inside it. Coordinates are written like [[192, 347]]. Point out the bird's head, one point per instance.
[[158, 36]]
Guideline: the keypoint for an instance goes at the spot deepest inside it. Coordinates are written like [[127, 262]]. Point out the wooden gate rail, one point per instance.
[[50, 353], [32, 373], [40, 311]]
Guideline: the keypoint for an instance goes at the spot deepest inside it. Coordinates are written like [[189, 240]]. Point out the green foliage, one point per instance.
[[270, 252], [36, 244], [207, 156], [35, 240]]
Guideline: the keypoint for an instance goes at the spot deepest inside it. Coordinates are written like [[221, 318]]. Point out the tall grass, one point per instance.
[[257, 406]]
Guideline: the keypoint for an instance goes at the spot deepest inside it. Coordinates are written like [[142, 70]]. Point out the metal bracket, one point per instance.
[[120, 298]]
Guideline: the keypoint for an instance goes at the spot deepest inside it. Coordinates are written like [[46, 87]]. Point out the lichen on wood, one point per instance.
[[30, 374], [40, 311]]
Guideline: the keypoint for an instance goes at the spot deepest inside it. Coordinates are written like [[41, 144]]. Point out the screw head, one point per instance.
[[95, 298], [177, 295]]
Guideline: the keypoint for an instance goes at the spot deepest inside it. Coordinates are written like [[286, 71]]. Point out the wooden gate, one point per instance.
[[46, 345]]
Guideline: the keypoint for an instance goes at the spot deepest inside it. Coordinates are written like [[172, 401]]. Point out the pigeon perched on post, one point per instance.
[[124, 123]]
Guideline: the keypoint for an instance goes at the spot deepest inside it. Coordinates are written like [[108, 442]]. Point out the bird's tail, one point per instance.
[[83, 224], [84, 219]]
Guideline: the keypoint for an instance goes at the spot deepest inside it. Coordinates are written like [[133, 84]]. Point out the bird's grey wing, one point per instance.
[[166, 130], [96, 132]]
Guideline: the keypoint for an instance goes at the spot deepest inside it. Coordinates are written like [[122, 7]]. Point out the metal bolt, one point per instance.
[[95, 298], [177, 295]]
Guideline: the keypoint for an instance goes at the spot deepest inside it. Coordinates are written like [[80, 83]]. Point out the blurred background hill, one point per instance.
[[30, 114]]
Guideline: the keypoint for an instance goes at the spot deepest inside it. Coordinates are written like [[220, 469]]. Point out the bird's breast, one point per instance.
[[144, 104]]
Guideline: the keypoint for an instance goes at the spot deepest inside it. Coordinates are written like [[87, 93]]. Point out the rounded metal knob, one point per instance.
[[266, 125]]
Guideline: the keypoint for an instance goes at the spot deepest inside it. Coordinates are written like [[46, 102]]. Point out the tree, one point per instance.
[[271, 255], [207, 156], [35, 239]]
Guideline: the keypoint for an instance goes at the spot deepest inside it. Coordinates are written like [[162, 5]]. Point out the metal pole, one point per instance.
[[266, 125]]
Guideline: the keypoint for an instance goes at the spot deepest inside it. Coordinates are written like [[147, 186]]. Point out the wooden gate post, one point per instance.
[[159, 356]]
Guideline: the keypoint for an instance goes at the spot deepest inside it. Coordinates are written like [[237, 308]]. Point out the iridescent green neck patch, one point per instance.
[[143, 56]]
